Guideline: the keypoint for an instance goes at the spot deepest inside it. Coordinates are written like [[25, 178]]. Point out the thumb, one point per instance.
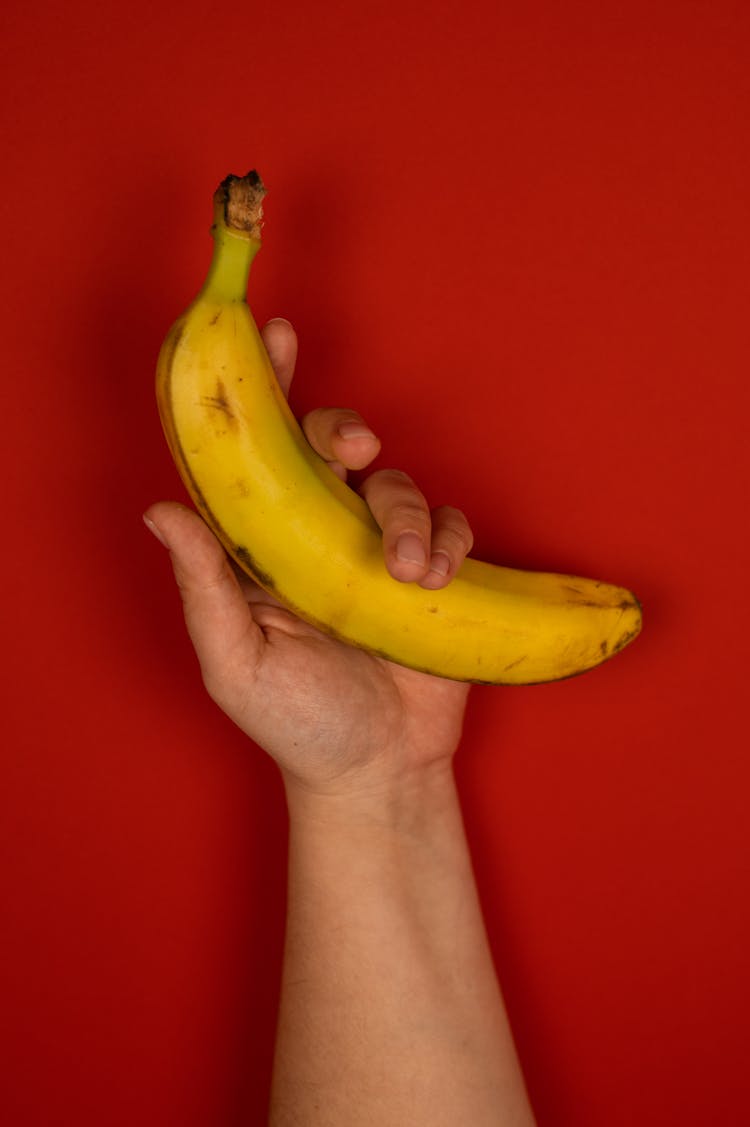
[[218, 618]]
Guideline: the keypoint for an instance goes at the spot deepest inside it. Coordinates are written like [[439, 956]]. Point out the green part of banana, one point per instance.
[[311, 541]]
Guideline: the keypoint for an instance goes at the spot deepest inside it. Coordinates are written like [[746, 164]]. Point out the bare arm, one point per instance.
[[391, 1013]]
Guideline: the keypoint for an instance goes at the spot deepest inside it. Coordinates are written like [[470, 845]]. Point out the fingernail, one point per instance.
[[410, 549], [278, 320], [440, 563], [354, 430], [156, 531]]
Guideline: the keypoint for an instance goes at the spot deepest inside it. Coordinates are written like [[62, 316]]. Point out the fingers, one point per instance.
[[218, 618], [280, 340], [341, 436], [452, 540], [419, 545], [404, 516]]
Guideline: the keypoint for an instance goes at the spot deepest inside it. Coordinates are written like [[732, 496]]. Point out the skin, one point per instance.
[[390, 1011]]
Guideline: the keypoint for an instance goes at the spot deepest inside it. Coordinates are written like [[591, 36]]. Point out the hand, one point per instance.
[[336, 719]]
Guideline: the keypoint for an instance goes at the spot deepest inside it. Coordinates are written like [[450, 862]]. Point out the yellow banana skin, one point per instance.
[[311, 541]]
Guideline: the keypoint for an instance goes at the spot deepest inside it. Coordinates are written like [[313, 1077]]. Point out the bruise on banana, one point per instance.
[[220, 402], [622, 642], [247, 562]]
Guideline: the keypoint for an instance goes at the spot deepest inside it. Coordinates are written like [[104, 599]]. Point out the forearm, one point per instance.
[[391, 1012]]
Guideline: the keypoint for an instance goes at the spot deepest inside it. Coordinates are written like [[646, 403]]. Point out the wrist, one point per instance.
[[400, 801]]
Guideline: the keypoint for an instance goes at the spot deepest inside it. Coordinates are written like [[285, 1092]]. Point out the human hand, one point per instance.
[[336, 719]]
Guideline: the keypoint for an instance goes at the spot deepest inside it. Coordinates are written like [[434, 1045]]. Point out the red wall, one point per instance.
[[515, 236]]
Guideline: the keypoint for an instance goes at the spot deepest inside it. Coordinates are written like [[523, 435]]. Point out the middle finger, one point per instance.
[[404, 516]]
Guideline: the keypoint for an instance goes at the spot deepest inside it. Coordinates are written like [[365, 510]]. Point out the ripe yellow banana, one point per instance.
[[311, 541]]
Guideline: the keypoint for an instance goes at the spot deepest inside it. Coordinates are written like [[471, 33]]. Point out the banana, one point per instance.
[[311, 541]]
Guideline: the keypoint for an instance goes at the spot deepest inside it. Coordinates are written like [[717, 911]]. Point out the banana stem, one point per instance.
[[238, 213]]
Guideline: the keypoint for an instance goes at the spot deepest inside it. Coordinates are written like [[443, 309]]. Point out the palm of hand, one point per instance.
[[327, 712]]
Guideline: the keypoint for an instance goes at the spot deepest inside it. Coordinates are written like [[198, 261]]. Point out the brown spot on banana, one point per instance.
[[220, 402], [247, 562], [622, 642]]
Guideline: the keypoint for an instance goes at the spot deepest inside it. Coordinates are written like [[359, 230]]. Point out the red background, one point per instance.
[[515, 236]]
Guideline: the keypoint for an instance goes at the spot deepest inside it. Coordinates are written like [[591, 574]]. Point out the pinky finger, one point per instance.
[[451, 542]]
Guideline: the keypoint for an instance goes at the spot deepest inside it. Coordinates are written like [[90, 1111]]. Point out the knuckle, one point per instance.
[[330, 415], [452, 541], [347, 415], [452, 527], [408, 514], [318, 426], [450, 514], [396, 502], [312, 420], [384, 488], [391, 477]]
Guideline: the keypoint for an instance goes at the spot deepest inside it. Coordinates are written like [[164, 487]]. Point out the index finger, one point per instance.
[[280, 340]]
